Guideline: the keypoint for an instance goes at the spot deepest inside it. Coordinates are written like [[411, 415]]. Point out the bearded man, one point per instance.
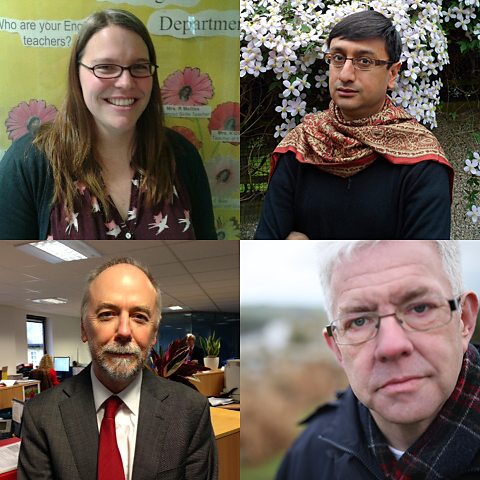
[[364, 168], [116, 420]]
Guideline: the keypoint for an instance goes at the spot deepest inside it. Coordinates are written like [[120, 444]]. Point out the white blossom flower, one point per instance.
[[412, 72], [304, 82], [291, 88], [476, 30], [287, 70], [463, 23], [471, 166], [283, 129], [321, 81], [244, 68], [282, 109], [296, 107], [278, 130], [474, 213], [258, 68], [402, 97]]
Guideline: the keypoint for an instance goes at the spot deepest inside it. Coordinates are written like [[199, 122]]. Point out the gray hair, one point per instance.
[[340, 251], [121, 261]]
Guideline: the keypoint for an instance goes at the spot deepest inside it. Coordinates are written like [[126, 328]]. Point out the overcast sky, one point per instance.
[[276, 272]]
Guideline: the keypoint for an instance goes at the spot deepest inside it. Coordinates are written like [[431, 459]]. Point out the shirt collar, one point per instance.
[[129, 395]]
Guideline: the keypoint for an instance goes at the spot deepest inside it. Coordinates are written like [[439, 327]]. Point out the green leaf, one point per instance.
[[468, 45], [473, 181], [274, 85], [464, 46], [211, 345]]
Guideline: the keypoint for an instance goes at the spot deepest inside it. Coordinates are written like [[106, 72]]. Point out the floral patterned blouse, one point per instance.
[[167, 220]]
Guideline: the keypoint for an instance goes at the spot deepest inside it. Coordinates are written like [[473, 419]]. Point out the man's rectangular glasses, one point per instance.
[[338, 60], [110, 70], [422, 315]]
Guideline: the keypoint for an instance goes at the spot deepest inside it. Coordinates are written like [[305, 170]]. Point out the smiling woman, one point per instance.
[[107, 167]]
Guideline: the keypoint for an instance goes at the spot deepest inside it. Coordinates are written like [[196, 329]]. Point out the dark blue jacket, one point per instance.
[[333, 448]]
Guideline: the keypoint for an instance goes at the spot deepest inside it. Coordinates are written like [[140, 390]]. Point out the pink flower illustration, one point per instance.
[[227, 228], [224, 176], [27, 118], [226, 117], [189, 135], [187, 87]]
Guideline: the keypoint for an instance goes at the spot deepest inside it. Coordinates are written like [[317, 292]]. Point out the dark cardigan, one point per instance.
[[26, 189]]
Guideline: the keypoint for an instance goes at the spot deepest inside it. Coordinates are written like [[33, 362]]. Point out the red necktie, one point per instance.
[[110, 466]]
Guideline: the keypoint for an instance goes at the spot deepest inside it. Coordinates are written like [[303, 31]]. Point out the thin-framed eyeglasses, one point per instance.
[[110, 70], [417, 316], [338, 60]]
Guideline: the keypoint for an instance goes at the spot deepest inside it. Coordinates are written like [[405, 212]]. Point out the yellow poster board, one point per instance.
[[197, 44]]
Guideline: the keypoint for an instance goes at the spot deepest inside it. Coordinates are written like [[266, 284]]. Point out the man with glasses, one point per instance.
[[400, 327], [364, 168]]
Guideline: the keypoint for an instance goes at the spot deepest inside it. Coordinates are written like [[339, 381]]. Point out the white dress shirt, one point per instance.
[[396, 453], [126, 420]]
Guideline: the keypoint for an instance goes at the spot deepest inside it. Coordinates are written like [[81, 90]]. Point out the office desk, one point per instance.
[[230, 406], [211, 382], [20, 391], [226, 425], [12, 475]]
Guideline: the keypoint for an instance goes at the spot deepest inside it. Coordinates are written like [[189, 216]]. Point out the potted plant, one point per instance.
[[211, 347], [171, 364]]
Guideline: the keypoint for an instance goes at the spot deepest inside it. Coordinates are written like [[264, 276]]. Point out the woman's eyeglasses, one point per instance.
[[110, 70]]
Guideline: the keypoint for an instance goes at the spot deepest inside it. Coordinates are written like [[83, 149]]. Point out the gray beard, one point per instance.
[[118, 369]]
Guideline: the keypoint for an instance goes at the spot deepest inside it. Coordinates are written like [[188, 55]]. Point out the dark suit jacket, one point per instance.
[[175, 439], [198, 354]]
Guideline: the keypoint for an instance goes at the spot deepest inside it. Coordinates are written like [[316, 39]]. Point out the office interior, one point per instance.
[[200, 277]]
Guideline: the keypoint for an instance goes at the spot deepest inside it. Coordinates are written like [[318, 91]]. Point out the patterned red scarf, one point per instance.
[[344, 148], [449, 446]]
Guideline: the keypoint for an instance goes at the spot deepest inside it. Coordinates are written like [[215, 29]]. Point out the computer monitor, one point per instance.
[[17, 414], [61, 364], [5, 427]]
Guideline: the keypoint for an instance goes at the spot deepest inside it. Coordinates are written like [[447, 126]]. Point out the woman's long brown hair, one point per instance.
[[69, 141]]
